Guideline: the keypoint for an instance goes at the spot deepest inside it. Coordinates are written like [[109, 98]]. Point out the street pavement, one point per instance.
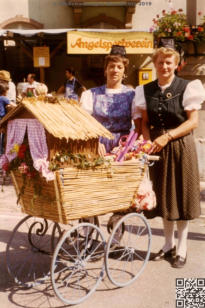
[[154, 288]]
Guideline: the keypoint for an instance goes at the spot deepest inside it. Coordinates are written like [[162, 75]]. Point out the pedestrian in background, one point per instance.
[[4, 105], [30, 86], [169, 107], [6, 78], [72, 88]]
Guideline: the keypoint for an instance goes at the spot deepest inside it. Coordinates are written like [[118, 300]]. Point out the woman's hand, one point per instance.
[[101, 149], [159, 143]]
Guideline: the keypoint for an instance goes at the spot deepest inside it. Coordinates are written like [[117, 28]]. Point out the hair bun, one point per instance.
[[118, 50]]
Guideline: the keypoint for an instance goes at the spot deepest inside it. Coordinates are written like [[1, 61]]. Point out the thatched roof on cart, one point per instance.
[[62, 118]]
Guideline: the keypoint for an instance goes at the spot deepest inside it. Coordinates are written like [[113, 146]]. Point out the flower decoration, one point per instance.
[[23, 161], [136, 151], [22, 150], [174, 24], [15, 148]]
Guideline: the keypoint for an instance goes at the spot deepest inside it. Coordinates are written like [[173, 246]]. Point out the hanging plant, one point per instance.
[[174, 24]]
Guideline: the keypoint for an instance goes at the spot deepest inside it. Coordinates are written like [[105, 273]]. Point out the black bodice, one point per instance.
[[165, 110]]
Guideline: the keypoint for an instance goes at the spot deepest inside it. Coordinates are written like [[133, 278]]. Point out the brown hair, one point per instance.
[[166, 52], [116, 58], [32, 75]]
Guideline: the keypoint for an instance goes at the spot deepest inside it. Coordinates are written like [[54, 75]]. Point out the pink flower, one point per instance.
[[23, 168]]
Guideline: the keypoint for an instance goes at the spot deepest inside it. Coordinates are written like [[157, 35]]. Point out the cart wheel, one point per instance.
[[128, 252], [55, 236], [28, 251], [89, 232], [74, 275]]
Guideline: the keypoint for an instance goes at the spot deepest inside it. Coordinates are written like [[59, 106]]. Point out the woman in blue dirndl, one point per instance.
[[112, 104]]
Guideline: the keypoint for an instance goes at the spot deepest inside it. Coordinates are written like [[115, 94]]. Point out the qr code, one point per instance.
[[190, 292]]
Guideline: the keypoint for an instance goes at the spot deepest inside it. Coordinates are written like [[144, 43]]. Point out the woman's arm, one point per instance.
[[61, 90], [138, 126], [180, 131], [186, 127]]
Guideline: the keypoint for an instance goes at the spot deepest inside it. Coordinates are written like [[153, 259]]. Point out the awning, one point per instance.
[[87, 41], [30, 32]]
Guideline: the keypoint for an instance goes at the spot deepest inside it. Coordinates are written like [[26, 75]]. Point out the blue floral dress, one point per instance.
[[114, 112]]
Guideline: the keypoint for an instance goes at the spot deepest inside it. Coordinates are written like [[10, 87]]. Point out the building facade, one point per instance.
[[64, 14]]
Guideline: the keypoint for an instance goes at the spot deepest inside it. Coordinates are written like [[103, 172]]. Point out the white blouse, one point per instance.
[[194, 96], [86, 100]]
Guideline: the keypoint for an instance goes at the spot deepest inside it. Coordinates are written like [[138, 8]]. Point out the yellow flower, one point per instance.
[[15, 148]]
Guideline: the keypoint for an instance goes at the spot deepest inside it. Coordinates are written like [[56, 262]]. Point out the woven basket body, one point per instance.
[[77, 193]]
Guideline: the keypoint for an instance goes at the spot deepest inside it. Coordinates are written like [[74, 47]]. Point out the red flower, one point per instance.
[[190, 37], [163, 12], [5, 167], [173, 12], [180, 10], [199, 13], [157, 15], [22, 148], [31, 175], [187, 29], [179, 33], [21, 154], [200, 29]]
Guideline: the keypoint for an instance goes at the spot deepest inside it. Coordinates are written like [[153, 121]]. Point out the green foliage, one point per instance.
[[174, 24], [79, 161]]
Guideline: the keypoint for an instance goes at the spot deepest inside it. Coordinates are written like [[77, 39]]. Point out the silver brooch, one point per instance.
[[169, 95]]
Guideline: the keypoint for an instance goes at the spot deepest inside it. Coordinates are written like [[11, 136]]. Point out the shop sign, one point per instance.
[[41, 56], [80, 42]]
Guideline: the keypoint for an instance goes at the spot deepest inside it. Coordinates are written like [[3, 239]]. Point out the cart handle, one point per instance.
[[151, 157]]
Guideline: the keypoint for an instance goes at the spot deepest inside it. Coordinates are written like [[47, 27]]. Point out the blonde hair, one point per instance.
[[166, 52]]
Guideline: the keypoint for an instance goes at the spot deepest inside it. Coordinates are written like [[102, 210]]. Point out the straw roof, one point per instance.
[[62, 118]]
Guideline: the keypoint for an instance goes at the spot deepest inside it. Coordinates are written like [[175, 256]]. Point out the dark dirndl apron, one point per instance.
[[176, 180]]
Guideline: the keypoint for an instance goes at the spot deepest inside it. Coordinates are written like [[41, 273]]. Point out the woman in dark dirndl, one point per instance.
[[169, 107]]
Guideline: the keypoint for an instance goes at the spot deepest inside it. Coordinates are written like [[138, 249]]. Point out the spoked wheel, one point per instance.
[[128, 249], [28, 252], [76, 269], [89, 232]]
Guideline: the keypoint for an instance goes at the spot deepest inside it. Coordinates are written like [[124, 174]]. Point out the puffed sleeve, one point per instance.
[[194, 95], [86, 101], [139, 103]]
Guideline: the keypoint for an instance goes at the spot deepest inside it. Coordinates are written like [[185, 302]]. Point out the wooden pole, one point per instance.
[[42, 74]]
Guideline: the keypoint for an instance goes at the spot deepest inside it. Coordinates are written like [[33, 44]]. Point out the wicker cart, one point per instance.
[[56, 240]]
